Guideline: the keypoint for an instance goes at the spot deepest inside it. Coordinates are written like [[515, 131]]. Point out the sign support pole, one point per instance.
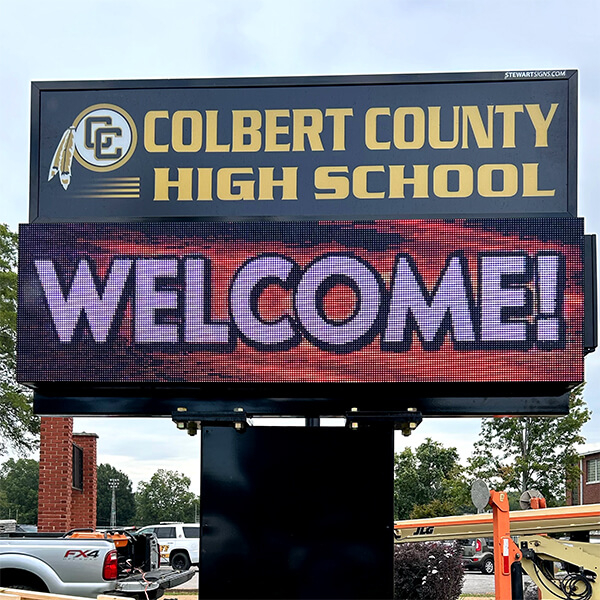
[[277, 501]]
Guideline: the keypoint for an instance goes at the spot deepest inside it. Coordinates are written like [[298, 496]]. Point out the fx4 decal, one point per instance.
[[82, 554]]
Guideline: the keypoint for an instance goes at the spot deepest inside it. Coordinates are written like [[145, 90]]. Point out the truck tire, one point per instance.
[[27, 588], [180, 561], [487, 566], [18, 579]]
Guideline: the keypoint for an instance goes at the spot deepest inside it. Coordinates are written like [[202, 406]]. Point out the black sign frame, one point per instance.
[[568, 205], [335, 400]]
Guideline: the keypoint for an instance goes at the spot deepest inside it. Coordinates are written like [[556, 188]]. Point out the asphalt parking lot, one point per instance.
[[478, 583], [192, 584], [475, 583]]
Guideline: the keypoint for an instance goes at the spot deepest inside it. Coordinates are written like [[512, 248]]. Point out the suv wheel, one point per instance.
[[180, 561], [487, 566]]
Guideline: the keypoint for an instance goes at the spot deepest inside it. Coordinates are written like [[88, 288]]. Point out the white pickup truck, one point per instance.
[[86, 563]]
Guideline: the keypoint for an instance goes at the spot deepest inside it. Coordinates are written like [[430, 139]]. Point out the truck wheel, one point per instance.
[[27, 588], [180, 561], [487, 566]]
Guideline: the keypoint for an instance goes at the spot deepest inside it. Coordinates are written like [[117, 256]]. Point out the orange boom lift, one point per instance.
[[535, 551]]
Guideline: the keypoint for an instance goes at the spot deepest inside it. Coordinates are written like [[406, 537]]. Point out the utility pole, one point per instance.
[[113, 484]]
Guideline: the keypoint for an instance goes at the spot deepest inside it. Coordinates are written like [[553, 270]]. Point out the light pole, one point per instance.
[[113, 484]]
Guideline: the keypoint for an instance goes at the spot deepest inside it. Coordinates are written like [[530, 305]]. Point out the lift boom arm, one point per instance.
[[564, 519], [539, 554]]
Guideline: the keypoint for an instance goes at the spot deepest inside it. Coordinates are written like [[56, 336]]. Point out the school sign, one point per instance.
[[368, 147], [296, 236]]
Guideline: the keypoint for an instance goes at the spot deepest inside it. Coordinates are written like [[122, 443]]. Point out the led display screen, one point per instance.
[[488, 300]]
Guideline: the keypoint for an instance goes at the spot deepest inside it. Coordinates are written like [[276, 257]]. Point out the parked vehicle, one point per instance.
[[10, 525], [86, 563], [478, 554], [179, 543]]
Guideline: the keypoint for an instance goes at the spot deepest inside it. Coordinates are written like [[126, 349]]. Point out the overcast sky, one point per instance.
[[129, 39]]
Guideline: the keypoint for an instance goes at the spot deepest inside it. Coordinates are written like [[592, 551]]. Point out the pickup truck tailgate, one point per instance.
[[154, 580]]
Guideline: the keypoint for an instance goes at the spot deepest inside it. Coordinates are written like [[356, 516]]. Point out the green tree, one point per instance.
[[520, 453], [166, 497], [19, 490], [429, 482], [19, 428], [124, 497]]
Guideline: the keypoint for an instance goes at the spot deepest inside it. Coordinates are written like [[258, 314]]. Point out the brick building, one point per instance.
[[587, 488], [68, 483]]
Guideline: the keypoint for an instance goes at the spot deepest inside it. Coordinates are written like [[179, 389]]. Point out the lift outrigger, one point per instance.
[[535, 551]]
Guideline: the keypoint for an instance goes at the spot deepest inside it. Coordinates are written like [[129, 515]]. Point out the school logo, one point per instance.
[[102, 138]]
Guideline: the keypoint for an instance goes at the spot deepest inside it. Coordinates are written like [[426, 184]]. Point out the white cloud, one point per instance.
[[141, 446]]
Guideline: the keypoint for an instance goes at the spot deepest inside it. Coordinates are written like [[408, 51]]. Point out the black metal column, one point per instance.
[[292, 512], [516, 582]]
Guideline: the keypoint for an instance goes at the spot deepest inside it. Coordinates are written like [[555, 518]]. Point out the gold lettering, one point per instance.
[[325, 180], [472, 117], [510, 180], [508, 131], [308, 122], [226, 184], [246, 124], [371, 140], [418, 137], [441, 184], [162, 184], [419, 182], [212, 127], [531, 181], [204, 183], [195, 120], [360, 184], [150, 131], [288, 183], [435, 129], [272, 130], [541, 123], [339, 126]]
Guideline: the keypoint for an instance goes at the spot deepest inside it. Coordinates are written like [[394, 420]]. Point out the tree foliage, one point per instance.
[[166, 497], [19, 428], [429, 482], [19, 490], [521, 453], [124, 497]]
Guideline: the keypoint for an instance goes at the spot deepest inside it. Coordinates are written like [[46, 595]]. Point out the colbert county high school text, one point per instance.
[[385, 131]]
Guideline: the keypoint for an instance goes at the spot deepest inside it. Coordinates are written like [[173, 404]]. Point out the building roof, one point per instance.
[[587, 449]]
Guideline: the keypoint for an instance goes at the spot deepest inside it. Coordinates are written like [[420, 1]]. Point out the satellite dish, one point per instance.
[[480, 494], [525, 499]]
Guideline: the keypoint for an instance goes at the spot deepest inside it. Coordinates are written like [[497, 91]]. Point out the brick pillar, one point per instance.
[[60, 506], [83, 502], [56, 473]]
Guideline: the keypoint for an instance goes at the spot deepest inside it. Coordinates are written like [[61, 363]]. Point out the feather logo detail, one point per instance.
[[63, 158], [102, 138]]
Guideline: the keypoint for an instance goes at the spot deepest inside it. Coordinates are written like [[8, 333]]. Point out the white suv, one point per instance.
[[179, 543]]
